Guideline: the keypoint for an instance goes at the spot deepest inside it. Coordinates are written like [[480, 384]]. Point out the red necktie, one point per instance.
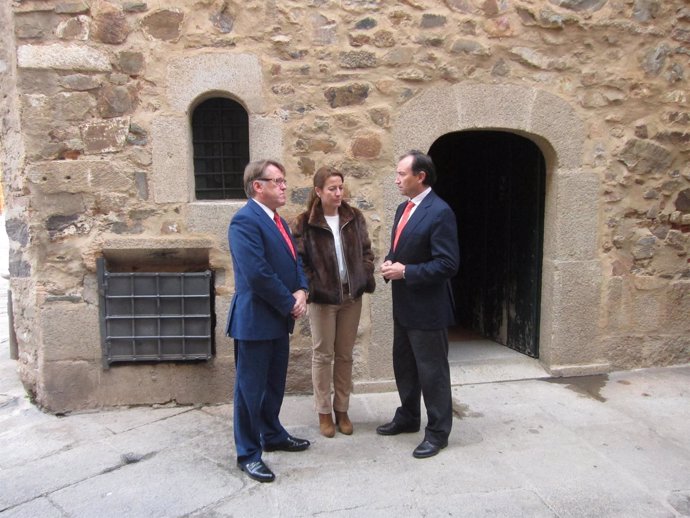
[[276, 218], [402, 222]]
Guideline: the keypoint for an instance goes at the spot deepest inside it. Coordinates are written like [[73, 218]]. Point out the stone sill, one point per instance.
[[158, 254]]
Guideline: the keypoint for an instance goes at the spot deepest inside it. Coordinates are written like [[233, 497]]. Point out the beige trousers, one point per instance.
[[333, 331]]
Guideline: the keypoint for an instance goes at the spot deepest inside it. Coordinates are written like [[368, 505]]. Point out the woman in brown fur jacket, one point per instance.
[[336, 253]]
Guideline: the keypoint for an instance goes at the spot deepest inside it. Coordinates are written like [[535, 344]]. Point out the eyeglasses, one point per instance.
[[280, 182]]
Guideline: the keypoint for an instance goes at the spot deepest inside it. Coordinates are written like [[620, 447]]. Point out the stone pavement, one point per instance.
[[599, 446]]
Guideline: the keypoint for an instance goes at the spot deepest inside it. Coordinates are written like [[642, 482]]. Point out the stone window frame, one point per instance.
[[571, 266], [189, 79]]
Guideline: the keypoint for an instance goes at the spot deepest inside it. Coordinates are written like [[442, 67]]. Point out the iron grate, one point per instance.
[[155, 316]]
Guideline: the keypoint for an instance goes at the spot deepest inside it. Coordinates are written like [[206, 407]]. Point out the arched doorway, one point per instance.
[[494, 181], [569, 342]]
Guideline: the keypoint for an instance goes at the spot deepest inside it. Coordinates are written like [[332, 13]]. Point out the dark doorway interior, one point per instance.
[[494, 181]]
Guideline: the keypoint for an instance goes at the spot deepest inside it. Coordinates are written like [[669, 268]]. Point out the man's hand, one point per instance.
[[300, 307], [392, 271]]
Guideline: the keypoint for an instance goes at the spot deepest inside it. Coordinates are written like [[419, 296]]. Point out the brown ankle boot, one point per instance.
[[326, 426], [344, 423]]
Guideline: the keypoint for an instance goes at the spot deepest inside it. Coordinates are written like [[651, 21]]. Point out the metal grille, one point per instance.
[[155, 316], [220, 129]]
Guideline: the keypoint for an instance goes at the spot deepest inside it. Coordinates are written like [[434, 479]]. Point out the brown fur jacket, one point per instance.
[[316, 247]]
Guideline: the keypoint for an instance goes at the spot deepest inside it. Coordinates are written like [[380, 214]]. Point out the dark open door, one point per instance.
[[494, 181]]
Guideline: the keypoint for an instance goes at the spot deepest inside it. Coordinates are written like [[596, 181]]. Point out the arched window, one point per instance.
[[220, 129]]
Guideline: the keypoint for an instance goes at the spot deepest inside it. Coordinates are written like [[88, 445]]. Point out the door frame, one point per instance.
[[571, 269]]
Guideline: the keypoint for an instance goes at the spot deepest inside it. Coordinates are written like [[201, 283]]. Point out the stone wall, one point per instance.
[[96, 158]]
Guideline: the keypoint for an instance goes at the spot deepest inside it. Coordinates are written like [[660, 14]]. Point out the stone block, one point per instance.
[[616, 315], [646, 310], [357, 59], [169, 253], [380, 355], [115, 101], [208, 382], [63, 57], [192, 76], [80, 82], [38, 82], [571, 195], [172, 177], [213, 218], [366, 146], [72, 106], [224, 344], [110, 25], [131, 63], [637, 350], [71, 332], [348, 95], [76, 28], [299, 372], [436, 110], [664, 349], [106, 136], [69, 385], [511, 106], [79, 176], [37, 25], [583, 369], [400, 56], [555, 120], [265, 138], [59, 203], [571, 297], [676, 305], [163, 24], [71, 8]]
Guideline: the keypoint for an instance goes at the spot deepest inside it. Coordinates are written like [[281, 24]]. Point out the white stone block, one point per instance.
[[63, 57]]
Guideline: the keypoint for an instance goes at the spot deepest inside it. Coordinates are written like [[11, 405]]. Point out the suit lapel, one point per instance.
[[272, 228], [415, 219]]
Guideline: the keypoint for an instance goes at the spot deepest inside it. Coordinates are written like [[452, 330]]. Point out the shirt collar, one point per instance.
[[269, 212], [420, 197]]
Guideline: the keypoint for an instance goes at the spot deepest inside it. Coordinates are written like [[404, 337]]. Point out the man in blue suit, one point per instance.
[[270, 293], [423, 257]]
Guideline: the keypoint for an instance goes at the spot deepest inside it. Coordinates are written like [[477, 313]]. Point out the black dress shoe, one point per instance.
[[257, 470], [427, 449], [394, 428], [289, 444]]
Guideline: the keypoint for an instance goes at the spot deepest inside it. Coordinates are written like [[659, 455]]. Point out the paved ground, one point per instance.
[[601, 446]]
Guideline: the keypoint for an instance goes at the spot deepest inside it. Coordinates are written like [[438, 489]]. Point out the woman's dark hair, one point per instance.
[[320, 177]]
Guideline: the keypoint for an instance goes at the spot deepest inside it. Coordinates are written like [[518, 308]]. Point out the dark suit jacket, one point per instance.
[[266, 275], [428, 247]]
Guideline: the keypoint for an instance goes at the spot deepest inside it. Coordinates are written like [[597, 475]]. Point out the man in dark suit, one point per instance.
[[270, 293], [423, 257]]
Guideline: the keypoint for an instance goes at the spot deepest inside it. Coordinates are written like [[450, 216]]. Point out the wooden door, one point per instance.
[[494, 181]]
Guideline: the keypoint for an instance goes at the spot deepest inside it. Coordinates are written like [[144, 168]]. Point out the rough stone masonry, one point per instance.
[[96, 100]]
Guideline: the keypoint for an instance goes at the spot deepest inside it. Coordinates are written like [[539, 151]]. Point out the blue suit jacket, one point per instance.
[[266, 275], [428, 247]]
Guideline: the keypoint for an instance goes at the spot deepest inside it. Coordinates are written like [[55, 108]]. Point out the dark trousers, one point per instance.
[[420, 363], [261, 371]]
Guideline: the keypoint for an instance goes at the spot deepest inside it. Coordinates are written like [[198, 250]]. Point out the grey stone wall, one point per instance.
[[97, 159]]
